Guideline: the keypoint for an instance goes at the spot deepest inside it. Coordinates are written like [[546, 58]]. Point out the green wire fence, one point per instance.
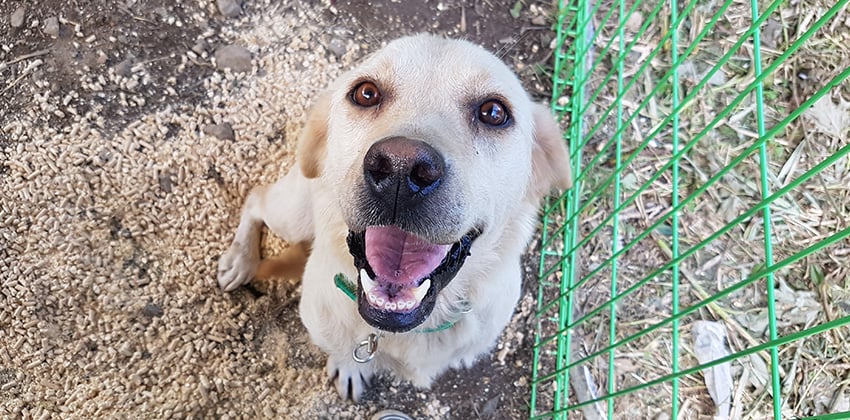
[[712, 183]]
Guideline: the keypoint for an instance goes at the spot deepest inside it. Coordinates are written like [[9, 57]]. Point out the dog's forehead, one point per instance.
[[441, 65]]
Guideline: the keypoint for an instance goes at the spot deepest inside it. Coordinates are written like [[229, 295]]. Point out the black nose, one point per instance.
[[399, 169]]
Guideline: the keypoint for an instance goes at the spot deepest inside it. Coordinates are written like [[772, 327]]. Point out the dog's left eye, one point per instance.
[[366, 94], [494, 113]]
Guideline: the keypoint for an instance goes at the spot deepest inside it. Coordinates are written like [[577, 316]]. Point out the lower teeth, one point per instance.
[[381, 302]]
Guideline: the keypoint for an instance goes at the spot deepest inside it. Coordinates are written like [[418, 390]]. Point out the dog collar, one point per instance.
[[347, 287]]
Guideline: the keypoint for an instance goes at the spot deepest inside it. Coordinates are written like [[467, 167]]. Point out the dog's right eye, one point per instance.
[[366, 94], [494, 113]]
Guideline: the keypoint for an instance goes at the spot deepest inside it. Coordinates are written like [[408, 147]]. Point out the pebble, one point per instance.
[[161, 11], [337, 47], [718, 79], [233, 57], [152, 310], [222, 131], [634, 23], [51, 26], [229, 8], [165, 182], [124, 68], [539, 20], [17, 18], [771, 36], [200, 47], [491, 407]]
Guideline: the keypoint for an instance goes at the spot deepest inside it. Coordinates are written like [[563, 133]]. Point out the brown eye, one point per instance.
[[366, 94], [493, 112]]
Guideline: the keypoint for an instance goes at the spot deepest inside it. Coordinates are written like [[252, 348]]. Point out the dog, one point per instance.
[[417, 182]]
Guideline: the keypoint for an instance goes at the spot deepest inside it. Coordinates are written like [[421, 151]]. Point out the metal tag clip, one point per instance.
[[369, 346]]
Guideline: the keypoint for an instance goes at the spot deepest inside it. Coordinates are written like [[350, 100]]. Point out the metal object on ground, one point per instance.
[[390, 415]]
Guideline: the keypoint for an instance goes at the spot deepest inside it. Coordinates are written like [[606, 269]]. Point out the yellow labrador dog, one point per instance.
[[419, 176]]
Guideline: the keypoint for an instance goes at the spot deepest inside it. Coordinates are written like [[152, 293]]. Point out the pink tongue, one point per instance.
[[400, 257]]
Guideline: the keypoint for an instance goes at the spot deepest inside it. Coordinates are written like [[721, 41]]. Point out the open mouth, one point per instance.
[[400, 274]]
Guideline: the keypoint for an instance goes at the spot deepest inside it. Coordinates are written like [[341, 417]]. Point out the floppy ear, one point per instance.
[[550, 160], [312, 143]]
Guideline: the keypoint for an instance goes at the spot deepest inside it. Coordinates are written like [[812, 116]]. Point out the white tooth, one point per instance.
[[367, 283], [371, 297], [380, 301], [391, 306], [419, 292], [409, 304]]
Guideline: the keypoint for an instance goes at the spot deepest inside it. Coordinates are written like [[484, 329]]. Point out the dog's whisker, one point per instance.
[[503, 51]]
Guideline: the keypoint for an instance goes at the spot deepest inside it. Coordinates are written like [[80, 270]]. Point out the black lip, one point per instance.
[[441, 276]]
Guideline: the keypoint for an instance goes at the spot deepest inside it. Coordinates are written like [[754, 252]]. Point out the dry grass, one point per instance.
[[809, 292]]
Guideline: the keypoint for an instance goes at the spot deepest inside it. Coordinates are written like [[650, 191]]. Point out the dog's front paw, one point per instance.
[[350, 378], [236, 267]]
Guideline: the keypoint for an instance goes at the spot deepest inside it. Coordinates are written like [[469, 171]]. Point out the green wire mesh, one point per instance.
[[708, 186]]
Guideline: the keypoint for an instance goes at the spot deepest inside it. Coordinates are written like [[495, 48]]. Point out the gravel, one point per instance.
[[201, 47], [108, 303], [233, 57], [124, 68], [152, 310], [337, 47], [119, 192], [17, 17], [51, 26], [229, 8], [222, 131]]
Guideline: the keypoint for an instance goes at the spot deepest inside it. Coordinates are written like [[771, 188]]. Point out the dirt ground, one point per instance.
[[125, 152]]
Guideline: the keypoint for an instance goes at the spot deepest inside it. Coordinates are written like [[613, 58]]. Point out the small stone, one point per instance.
[[222, 131], [51, 26], [165, 182], [152, 310], [771, 35], [539, 20], [229, 8], [17, 18], [634, 22], [718, 79], [161, 11], [490, 407], [201, 47], [126, 349], [337, 47], [233, 57], [124, 68]]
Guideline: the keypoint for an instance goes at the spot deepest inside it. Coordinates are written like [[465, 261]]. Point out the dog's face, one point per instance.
[[427, 144]]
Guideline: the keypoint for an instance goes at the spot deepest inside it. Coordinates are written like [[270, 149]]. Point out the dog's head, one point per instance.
[[426, 144]]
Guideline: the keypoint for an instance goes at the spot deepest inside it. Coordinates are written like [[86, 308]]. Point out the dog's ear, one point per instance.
[[550, 160], [312, 143]]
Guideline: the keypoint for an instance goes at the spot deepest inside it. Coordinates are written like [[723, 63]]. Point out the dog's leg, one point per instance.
[[285, 208]]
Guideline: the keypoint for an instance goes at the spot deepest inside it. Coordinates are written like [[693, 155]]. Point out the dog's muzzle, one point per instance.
[[404, 240]]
